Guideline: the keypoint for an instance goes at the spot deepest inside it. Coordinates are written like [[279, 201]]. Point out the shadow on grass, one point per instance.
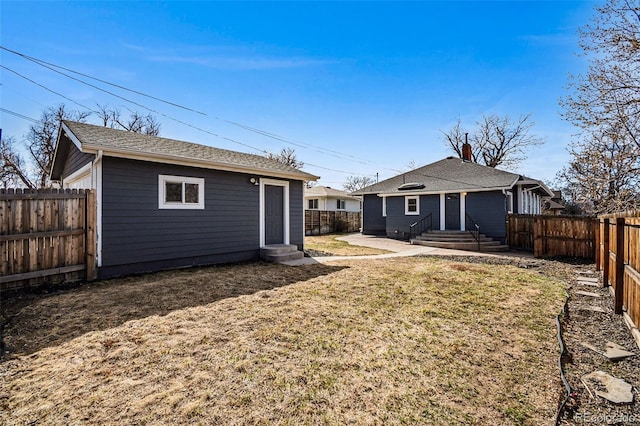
[[34, 322]]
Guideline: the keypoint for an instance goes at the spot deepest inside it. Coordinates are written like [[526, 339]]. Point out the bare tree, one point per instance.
[[136, 122], [32, 170], [604, 174], [355, 183], [287, 156], [604, 104], [495, 141], [41, 140], [13, 168], [608, 95]]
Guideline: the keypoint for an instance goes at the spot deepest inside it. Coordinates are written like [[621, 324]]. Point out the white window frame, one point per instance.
[[384, 206], [312, 204], [406, 205], [164, 179], [509, 200], [341, 204]]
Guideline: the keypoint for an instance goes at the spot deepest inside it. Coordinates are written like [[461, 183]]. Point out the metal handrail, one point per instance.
[[420, 226], [476, 228]]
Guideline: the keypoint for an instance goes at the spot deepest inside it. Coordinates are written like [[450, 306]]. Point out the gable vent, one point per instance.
[[410, 185]]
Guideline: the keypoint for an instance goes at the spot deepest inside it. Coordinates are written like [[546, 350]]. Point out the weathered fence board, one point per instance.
[[620, 261], [553, 236], [46, 237], [318, 222]]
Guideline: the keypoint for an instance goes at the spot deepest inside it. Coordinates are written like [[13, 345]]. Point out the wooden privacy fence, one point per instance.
[[553, 236], [619, 260], [318, 222], [46, 237]]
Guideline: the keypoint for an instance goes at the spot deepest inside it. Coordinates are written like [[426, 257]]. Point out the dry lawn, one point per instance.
[[329, 245], [396, 341]]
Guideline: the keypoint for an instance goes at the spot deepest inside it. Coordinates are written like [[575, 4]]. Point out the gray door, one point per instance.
[[274, 214], [452, 211]]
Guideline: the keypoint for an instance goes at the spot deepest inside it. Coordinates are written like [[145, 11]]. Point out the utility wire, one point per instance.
[[262, 151], [51, 65], [46, 88], [24, 117], [56, 68]]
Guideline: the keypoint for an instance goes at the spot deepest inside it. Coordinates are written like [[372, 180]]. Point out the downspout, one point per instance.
[[97, 174]]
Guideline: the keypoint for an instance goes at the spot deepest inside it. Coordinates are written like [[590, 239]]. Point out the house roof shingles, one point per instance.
[[325, 191], [448, 175], [121, 143]]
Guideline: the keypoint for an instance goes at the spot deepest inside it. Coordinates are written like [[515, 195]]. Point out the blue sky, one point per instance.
[[356, 88]]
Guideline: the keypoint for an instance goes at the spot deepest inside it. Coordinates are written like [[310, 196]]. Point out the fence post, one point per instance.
[[91, 230], [606, 253], [619, 290], [596, 227], [538, 241]]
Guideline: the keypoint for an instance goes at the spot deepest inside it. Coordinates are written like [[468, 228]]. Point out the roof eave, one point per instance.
[[192, 162], [446, 191]]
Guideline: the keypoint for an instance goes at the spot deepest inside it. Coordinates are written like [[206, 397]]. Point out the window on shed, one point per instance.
[[412, 205], [313, 204], [179, 192], [340, 205]]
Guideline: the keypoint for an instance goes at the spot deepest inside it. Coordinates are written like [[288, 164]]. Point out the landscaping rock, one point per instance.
[[587, 293], [616, 390], [616, 352]]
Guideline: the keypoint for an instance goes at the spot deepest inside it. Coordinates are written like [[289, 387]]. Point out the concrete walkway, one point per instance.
[[397, 247]]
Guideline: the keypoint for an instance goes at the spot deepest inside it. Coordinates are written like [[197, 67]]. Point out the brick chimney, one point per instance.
[[466, 149]]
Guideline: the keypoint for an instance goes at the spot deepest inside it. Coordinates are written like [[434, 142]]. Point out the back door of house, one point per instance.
[[274, 214], [452, 211]]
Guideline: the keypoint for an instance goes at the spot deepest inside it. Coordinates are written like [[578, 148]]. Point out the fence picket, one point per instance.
[[37, 254]]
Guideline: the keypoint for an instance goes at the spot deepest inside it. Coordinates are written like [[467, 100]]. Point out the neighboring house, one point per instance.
[[327, 198], [553, 206], [164, 203], [450, 194]]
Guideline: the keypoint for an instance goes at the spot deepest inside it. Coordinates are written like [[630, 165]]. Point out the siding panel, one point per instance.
[[398, 223], [489, 210], [136, 232], [373, 223], [75, 160]]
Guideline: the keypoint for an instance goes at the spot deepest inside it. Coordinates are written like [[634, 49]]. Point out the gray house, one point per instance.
[[449, 195], [164, 203]]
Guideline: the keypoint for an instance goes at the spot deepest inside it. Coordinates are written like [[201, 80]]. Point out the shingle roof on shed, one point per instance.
[[121, 143], [448, 175]]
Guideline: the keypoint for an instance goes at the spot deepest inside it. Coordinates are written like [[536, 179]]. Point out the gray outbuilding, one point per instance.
[[164, 203]]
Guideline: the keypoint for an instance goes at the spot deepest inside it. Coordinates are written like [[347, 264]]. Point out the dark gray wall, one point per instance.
[[137, 236], [398, 224], [373, 223], [75, 160], [296, 209], [489, 210]]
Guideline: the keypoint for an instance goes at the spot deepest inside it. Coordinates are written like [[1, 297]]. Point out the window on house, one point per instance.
[[313, 204], [340, 205], [179, 192], [384, 206], [412, 205]]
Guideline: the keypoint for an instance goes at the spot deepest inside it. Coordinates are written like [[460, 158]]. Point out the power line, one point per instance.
[[24, 117], [56, 68], [135, 103], [47, 89], [51, 65]]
